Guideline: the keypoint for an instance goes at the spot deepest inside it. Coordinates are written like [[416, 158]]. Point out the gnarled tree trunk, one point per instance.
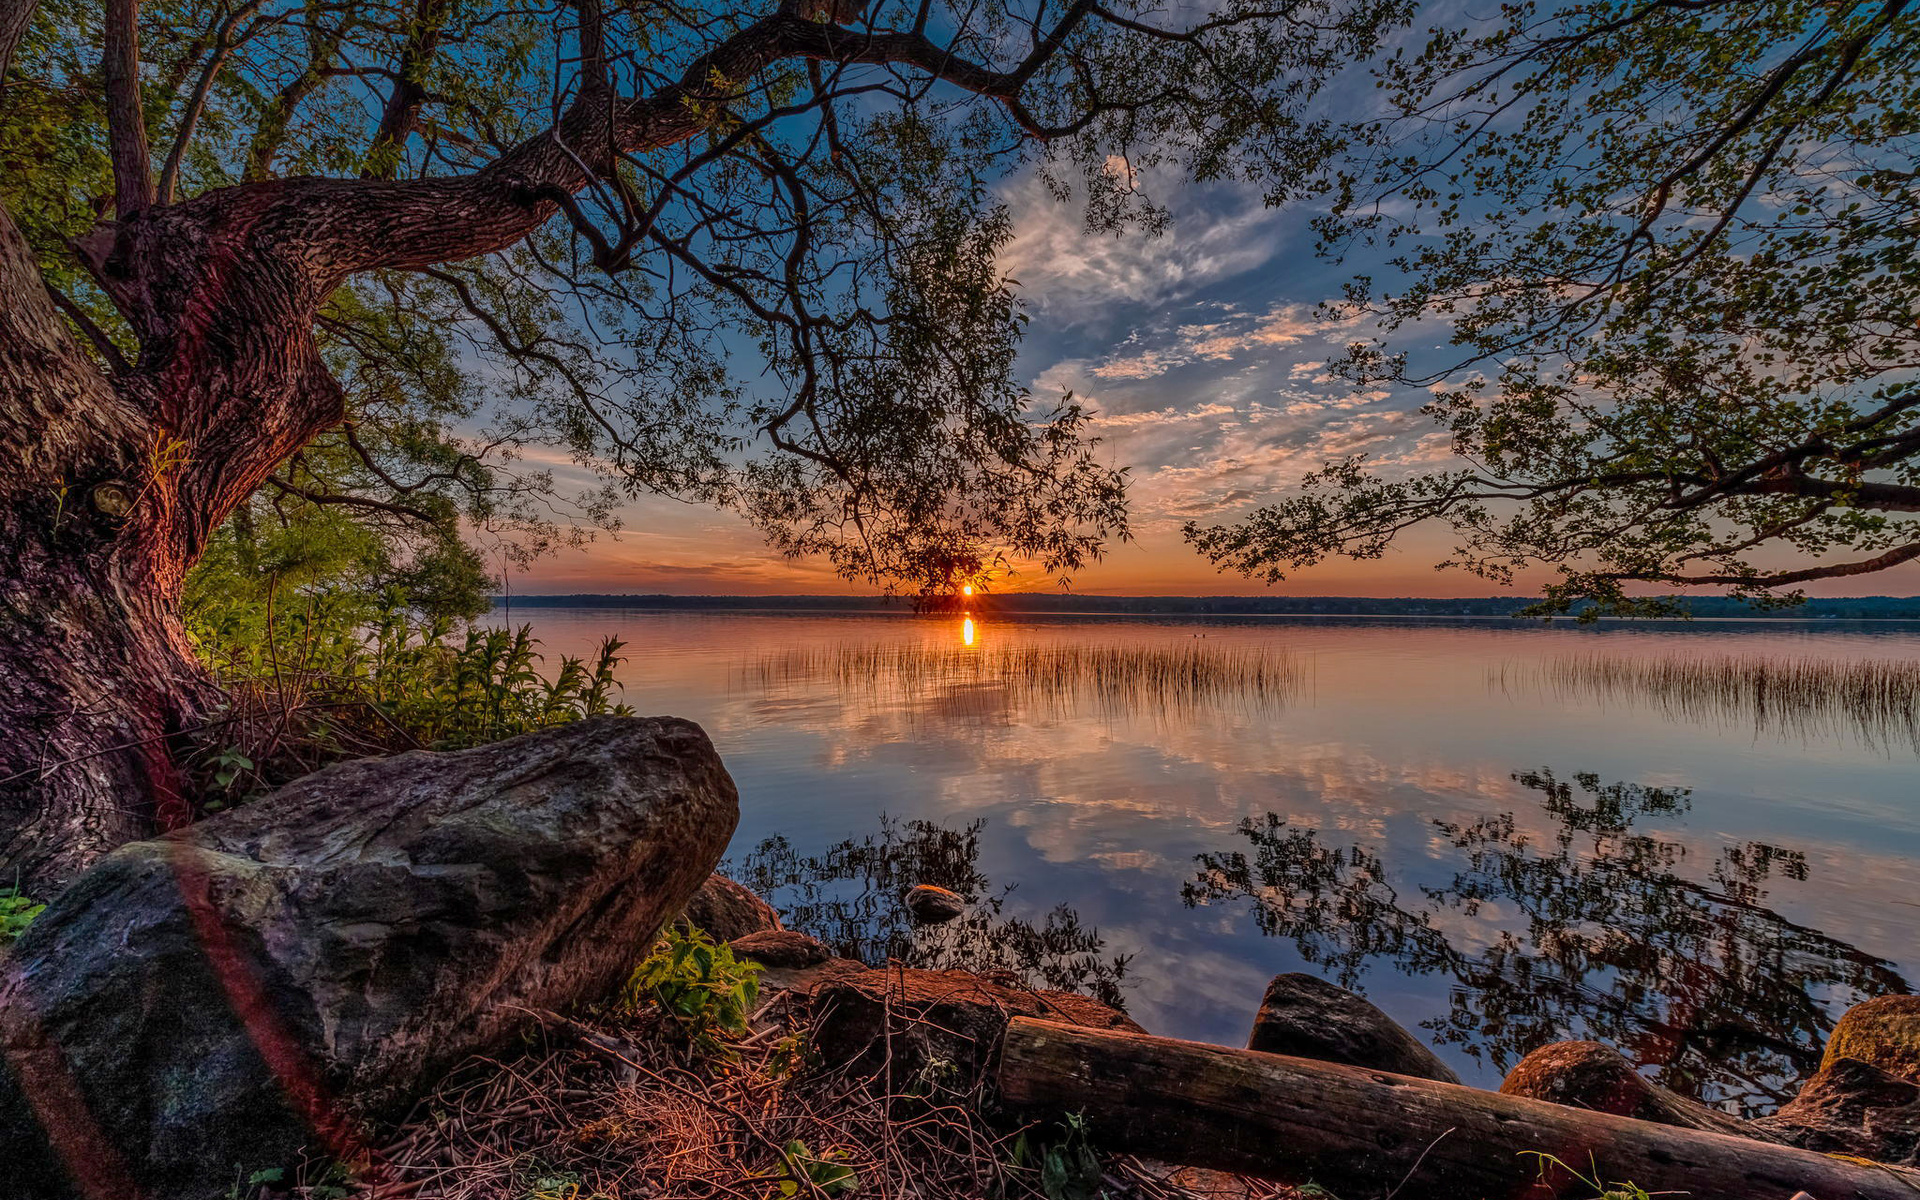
[[96, 676], [96, 685]]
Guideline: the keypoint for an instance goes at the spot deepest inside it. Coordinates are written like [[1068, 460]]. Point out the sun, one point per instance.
[[966, 589]]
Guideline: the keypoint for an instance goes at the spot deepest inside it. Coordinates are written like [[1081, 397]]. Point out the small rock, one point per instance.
[[727, 911], [1596, 1077], [1310, 1018], [1883, 1032], [1852, 1107], [785, 949], [932, 905], [951, 1020]]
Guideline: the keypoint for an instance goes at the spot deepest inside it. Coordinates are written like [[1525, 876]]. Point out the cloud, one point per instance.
[[1139, 366], [1235, 336], [1073, 275]]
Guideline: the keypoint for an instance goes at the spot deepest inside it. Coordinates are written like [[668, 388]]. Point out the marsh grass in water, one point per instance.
[[995, 681], [1876, 701]]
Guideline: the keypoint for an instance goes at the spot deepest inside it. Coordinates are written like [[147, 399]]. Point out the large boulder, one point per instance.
[[1854, 1108], [1307, 1017], [1597, 1077], [223, 999], [1883, 1032], [726, 910]]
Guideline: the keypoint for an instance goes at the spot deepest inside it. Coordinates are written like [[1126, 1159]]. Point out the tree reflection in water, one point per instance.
[[850, 898], [1588, 933]]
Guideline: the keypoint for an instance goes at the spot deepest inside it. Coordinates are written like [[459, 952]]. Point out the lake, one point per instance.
[[1698, 842]]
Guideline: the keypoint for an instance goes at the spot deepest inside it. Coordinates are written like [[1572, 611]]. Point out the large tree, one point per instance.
[[1658, 262], [740, 255]]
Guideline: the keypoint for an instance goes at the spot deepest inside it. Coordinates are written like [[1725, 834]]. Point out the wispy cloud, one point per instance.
[[1072, 275]]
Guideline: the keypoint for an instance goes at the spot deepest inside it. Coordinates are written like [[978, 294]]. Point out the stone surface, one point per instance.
[[726, 910], [1883, 1032], [951, 1019], [932, 905], [783, 948], [1593, 1076], [1855, 1108], [214, 1002], [1308, 1017]]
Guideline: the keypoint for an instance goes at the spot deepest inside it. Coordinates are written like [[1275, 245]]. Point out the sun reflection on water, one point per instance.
[[966, 631]]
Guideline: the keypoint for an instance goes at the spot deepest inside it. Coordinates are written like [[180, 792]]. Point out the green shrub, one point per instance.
[[701, 988], [16, 913], [330, 677]]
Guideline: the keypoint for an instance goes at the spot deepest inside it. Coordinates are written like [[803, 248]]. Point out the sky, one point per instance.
[[1203, 354]]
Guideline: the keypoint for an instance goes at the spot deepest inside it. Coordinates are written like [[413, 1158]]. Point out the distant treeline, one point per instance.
[[1855, 608]]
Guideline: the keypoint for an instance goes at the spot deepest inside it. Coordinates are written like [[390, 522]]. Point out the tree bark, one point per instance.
[[94, 668], [1356, 1132], [97, 682]]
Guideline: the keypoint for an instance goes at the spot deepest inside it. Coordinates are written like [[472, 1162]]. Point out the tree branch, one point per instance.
[[1865, 566], [126, 115], [223, 44], [15, 17], [367, 503]]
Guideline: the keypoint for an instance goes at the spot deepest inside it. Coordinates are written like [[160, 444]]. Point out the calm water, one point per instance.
[[1503, 834]]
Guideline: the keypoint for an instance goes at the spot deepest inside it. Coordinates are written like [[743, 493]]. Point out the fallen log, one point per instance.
[[1364, 1134]]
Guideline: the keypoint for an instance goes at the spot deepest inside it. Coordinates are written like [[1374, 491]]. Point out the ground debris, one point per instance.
[[614, 1107]]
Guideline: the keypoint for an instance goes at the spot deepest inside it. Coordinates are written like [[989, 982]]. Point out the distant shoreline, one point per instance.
[[1860, 608]]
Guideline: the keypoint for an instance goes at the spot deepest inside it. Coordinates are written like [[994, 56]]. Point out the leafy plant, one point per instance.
[[16, 913], [1068, 1167], [701, 987], [319, 675], [822, 1174], [558, 1185]]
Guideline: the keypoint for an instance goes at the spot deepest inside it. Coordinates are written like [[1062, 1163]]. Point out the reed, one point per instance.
[[1061, 679], [1876, 700]]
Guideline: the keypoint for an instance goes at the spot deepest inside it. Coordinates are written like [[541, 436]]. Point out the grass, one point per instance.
[[1875, 700], [982, 681], [1550, 1166]]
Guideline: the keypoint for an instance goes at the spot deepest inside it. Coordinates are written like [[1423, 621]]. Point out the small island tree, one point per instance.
[[1659, 265], [740, 255]]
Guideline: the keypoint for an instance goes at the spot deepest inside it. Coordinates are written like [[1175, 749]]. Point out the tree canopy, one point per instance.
[[1657, 262], [750, 256]]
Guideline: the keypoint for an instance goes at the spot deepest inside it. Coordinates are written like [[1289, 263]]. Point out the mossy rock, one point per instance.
[[1884, 1031]]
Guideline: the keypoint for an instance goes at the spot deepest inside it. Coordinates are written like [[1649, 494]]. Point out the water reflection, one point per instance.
[[1587, 932], [849, 898], [966, 631], [1876, 700]]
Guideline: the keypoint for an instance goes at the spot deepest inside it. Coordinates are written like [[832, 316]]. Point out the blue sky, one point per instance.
[[1203, 354]]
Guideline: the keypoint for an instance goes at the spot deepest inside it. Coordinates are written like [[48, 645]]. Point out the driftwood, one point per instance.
[[1365, 1134]]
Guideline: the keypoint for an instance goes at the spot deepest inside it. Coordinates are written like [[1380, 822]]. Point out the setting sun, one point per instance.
[[966, 589]]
